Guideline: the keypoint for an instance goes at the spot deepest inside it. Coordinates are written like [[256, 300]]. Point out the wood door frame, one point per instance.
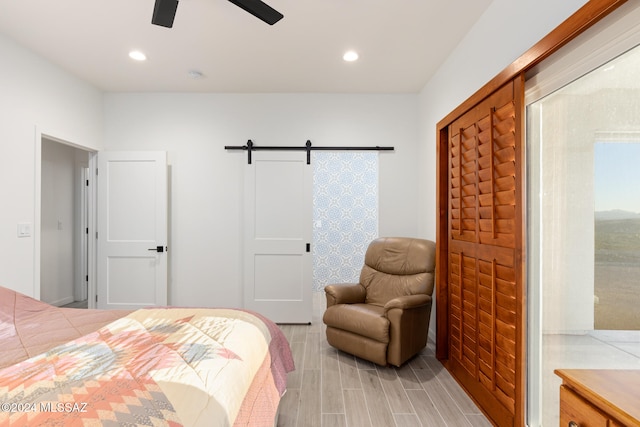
[[588, 15]]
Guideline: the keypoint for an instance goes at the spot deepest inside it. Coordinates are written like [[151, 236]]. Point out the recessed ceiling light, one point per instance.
[[350, 56], [137, 55]]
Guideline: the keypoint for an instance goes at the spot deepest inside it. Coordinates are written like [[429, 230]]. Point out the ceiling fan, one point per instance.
[[164, 11]]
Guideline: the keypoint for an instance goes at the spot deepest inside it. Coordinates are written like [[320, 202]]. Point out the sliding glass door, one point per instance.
[[583, 161]]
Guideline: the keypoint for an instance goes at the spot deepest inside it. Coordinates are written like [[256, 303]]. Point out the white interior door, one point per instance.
[[132, 229], [278, 231]]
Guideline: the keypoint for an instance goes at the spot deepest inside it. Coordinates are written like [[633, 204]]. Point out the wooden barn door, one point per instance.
[[480, 286]]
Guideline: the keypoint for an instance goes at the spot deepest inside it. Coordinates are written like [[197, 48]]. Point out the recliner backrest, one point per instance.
[[397, 266]]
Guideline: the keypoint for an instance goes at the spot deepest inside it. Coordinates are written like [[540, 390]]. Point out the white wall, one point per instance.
[[35, 93], [506, 30], [207, 181]]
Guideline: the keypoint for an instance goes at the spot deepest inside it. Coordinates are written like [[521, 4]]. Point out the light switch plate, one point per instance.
[[24, 229]]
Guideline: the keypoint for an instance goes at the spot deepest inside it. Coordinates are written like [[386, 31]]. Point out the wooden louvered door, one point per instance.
[[481, 276]]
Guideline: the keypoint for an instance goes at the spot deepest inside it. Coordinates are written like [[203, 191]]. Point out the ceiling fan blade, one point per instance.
[[259, 9], [164, 12]]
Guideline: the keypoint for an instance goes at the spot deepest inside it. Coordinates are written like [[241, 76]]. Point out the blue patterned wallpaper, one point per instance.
[[345, 214]]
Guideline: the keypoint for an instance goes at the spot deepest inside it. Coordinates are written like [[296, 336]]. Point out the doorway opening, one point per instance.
[[64, 213], [345, 214]]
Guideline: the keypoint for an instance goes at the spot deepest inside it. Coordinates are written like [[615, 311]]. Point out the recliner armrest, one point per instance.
[[407, 302], [347, 293]]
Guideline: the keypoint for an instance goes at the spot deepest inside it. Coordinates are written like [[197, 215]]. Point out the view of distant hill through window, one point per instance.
[[617, 236]]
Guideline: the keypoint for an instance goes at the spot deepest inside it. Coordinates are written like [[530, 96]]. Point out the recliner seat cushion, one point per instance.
[[362, 319]]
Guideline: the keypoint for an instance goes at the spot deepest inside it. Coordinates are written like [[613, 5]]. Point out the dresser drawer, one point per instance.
[[574, 409]]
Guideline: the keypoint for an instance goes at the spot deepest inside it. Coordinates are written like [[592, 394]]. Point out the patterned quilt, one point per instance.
[[29, 327], [155, 367]]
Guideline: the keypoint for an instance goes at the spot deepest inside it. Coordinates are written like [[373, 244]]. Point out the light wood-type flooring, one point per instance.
[[330, 388]]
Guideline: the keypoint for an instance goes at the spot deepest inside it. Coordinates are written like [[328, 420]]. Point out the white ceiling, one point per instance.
[[401, 43]]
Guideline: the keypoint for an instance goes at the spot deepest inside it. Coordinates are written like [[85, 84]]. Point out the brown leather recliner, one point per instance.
[[385, 317]]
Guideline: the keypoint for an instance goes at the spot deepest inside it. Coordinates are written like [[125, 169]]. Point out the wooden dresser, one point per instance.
[[599, 397]]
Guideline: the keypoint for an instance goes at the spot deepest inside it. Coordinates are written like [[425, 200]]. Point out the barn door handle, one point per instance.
[[308, 247], [157, 249]]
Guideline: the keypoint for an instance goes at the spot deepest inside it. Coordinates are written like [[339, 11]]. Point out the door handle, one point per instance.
[[157, 249]]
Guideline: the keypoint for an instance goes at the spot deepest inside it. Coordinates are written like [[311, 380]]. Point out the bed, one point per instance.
[[156, 366]]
